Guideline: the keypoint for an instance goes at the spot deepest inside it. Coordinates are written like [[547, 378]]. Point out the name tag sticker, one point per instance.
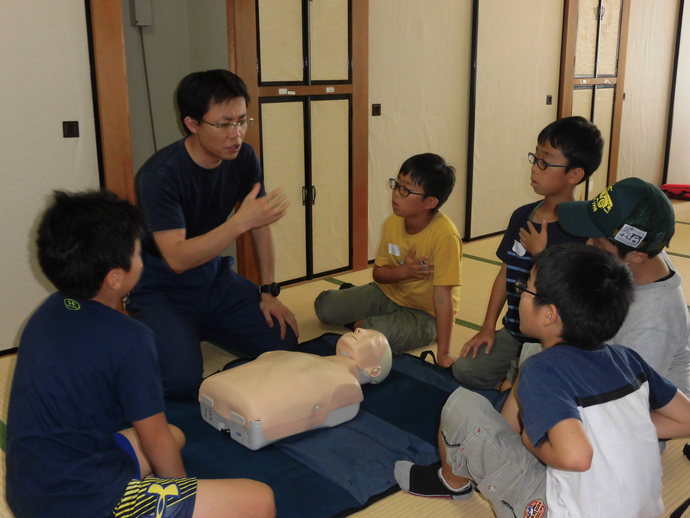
[[630, 236], [518, 248], [394, 249]]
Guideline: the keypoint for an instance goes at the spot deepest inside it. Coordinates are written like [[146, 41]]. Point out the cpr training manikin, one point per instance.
[[282, 393]]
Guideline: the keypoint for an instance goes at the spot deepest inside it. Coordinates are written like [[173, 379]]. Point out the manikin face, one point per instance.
[[361, 338], [551, 180], [220, 143], [369, 350]]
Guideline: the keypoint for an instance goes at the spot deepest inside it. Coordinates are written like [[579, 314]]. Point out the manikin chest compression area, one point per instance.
[[282, 393]]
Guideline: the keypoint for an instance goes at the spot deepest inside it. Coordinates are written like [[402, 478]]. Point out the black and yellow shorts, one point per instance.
[[157, 497]]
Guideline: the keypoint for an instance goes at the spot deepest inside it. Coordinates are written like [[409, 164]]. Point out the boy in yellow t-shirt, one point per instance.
[[416, 290]]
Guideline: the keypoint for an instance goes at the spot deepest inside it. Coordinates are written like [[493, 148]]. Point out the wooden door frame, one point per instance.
[[246, 60], [115, 140], [110, 72], [567, 81]]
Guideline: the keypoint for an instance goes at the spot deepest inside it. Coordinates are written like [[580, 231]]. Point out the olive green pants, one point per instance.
[[405, 328]]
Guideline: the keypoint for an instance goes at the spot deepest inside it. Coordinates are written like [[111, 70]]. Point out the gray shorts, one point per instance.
[[482, 447], [405, 328]]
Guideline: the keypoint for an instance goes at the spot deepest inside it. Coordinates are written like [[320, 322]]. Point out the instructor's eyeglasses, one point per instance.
[[241, 126]]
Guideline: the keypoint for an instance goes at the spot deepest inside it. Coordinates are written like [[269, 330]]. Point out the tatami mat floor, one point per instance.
[[479, 268]]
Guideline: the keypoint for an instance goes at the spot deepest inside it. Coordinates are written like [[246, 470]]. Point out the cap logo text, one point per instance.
[[603, 201]]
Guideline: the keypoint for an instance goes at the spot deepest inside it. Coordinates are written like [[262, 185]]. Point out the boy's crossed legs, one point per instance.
[[476, 443], [405, 328]]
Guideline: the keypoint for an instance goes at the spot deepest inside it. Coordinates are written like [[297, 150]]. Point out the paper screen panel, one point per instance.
[[582, 106], [607, 58], [329, 40], [330, 130], [280, 40], [282, 126], [586, 44], [648, 74], [603, 115]]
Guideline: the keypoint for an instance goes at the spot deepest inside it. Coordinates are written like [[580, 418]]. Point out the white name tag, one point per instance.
[[631, 236], [518, 248], [394, 249]]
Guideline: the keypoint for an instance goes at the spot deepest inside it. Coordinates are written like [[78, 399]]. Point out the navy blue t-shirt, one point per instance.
[[519, 261], [558, 380], [84, 371], [174, 192], [610, 390]]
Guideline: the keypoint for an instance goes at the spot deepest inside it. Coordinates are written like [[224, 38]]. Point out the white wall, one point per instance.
[[649, 70], [185, 36], [419, 53], [45, 80]]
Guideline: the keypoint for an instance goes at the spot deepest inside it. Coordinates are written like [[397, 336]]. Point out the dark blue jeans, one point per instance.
[[210, 302]]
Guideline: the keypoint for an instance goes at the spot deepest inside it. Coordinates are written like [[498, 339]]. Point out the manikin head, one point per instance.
[[369, 349]]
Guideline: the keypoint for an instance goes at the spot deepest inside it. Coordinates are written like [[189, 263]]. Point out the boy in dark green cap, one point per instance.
[[634, 221]]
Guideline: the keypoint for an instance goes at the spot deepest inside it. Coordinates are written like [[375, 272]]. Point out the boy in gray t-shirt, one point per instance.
[[634, 221]]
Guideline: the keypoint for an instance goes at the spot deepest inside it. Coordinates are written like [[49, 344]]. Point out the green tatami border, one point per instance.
[[465, 323], [481, 259]]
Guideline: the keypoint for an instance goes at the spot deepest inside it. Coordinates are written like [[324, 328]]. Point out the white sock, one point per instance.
[[451, 488]]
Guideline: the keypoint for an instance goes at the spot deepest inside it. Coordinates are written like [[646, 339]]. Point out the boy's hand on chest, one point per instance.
[[420, 268], [532, 240]]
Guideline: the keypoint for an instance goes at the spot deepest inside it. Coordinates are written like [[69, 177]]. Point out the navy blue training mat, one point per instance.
[[331, 471]]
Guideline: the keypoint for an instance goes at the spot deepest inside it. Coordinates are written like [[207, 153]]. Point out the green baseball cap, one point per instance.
[[632, 212]]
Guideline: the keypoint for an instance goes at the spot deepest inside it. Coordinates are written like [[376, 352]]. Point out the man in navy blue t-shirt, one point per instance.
[[187, 191]]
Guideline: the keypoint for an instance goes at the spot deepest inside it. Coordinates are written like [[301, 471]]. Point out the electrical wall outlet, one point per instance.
[[141, 13], [70, 129]]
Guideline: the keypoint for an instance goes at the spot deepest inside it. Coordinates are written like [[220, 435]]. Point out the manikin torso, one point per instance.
[[282, 393]]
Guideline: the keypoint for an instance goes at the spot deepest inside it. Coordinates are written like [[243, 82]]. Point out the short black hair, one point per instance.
[[198, 90], [591, 289], [624, 250], [431, 172], [578, 139], [82, 236]]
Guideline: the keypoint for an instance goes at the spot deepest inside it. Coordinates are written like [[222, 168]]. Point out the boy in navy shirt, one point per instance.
[[85, 372], [568, 151]]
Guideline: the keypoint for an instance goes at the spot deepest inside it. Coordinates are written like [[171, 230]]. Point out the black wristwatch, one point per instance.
[[273, 289]]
